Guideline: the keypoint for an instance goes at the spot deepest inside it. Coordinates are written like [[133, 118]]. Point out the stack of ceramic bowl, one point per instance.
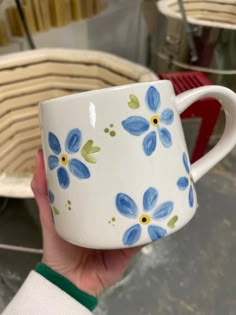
[[28, 78]]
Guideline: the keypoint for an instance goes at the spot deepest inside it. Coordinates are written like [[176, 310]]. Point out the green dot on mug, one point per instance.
[[112, 133], [106, 130]]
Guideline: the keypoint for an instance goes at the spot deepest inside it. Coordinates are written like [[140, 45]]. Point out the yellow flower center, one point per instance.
[[144, 219], [155, 120], [64, 159], [191, 179]]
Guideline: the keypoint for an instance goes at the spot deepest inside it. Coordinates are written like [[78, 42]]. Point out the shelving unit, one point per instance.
[[126, 35]]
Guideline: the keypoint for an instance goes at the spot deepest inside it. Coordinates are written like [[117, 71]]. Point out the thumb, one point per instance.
[[39, 187]]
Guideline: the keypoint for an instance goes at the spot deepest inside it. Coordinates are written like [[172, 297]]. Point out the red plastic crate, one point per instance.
[[207, 109]]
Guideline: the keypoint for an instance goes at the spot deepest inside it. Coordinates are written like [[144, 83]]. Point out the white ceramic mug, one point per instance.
[[117, 165]]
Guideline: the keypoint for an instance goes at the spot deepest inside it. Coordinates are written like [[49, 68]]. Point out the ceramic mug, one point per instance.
[[117, 166]]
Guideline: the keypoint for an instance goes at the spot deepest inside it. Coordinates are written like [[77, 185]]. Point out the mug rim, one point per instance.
[[96, 92]]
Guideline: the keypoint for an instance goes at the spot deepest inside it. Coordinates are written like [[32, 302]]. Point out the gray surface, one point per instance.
[[190, 272], [16, 228]]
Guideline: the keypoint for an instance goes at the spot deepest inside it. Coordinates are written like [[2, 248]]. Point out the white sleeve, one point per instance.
[[38, 296]]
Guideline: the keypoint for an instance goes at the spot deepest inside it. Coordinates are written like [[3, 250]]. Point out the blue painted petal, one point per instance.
[[163, 211], [186, 164], [190, 196], [165, 137], [153, 99], [150, 198], [63, 177], [79, 169], [136, 125], [126, 206], [156, 232], [54, 143], [73, 141], [51, 196], [182, 183], [167, 116], [53, 162], [149, 143], [132, 235]]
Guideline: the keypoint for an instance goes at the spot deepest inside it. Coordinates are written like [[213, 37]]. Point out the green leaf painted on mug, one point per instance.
[[171, 223], [87, 150], [56, 211], [134, 102]]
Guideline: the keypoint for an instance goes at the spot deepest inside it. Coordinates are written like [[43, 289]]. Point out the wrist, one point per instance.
[[76, 277], [89, 301]]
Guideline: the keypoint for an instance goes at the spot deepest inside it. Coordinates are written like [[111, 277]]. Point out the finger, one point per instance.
[[39, 183], [39, 187], [129, 253], [118, 259]]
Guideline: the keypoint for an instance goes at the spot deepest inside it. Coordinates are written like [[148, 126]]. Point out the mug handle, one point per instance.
[[227, 98]]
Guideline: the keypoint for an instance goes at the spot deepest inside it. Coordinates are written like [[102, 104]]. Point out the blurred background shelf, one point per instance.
[[103, 31]]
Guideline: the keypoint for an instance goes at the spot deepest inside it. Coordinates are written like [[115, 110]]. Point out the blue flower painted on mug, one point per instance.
[[62, 161], [138, 125], [51, 197], [186, 181], [54, 210], [150, 214], [51, 201]]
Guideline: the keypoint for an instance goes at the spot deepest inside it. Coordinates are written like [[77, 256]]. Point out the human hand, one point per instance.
[[90, 270]]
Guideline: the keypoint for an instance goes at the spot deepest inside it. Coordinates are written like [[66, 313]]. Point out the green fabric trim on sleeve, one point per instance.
[[89, 301]]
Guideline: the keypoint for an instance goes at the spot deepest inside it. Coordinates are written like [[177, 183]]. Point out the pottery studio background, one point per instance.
[[192, 271]]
